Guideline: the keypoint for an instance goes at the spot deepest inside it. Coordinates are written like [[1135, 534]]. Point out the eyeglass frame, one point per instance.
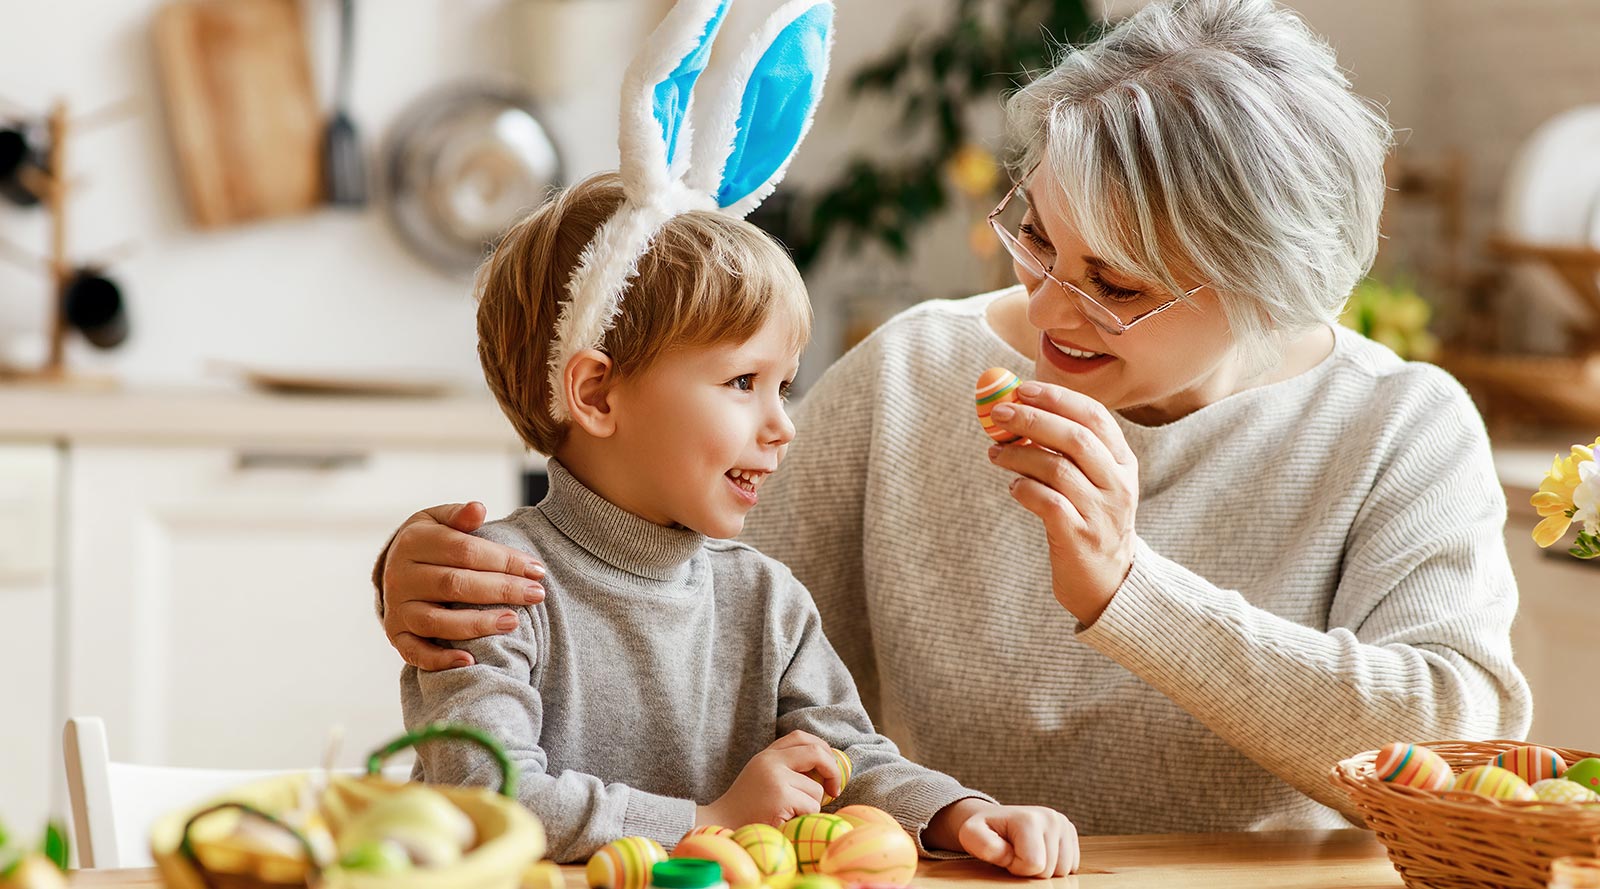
[[1007, 240]]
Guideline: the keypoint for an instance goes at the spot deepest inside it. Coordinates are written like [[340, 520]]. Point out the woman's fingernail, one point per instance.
[[507, 621], [532, 594], [1003, 412], [533, 570], [994, 451], [462, 661], [1029, 389]]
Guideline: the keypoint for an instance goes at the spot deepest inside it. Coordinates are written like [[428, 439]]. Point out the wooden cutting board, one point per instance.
[[241, 108]]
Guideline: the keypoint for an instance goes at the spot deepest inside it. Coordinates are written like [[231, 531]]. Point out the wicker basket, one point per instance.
[[190, 853], [1456, 840]]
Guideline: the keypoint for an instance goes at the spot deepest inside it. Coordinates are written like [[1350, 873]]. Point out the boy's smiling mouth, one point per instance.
[[747, 480]]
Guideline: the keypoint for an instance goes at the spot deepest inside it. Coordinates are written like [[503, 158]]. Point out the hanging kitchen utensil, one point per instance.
[[462, 164], [342, 164]]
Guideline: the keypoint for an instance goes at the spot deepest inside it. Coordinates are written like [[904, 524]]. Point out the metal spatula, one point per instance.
[[342, 164]]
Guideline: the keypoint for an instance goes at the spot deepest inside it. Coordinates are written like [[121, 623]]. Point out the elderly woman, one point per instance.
[[1244, 544]]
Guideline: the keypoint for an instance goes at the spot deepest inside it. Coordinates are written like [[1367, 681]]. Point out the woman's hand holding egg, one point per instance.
[[1082, 480]]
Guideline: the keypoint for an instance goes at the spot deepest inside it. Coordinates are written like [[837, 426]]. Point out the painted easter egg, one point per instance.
[[859, 815], [811, 834], [1532, 764], [712, 829], [769, 849], [997, 386], [624, 863], [871, 854], [1493, 782], [1412, 766], [737, 867], [1585, 772], [1560, 790], [845, 767]]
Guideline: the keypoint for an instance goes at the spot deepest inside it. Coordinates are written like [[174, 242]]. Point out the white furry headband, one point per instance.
[[747, 130]]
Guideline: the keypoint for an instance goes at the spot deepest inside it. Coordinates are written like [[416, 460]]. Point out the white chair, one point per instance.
[[113, 803]]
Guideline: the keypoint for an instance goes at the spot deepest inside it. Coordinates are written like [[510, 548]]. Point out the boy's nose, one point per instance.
[[780, 429]]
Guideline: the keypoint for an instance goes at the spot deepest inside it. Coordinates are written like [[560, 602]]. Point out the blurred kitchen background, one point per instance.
[[261, 371]]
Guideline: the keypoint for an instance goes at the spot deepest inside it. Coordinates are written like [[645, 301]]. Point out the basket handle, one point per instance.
[[186, 845], [438, 730]]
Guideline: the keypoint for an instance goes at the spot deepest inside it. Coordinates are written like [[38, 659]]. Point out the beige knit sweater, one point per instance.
[[1320, 570]]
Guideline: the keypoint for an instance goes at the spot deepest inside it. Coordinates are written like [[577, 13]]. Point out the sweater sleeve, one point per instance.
[[1418, 640], [815, 694], [810, 514], [498, 694]]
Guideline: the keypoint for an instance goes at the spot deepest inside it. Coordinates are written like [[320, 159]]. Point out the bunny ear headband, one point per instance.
[[747, 131]]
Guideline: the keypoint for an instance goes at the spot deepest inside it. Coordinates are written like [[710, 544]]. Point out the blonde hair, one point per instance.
[[1218, 138], [707, 279]]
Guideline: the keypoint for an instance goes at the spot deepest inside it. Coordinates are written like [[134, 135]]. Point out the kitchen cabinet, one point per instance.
[[195, 569], [29, 475]]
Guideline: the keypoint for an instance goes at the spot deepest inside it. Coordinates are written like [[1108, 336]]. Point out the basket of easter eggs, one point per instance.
[[854, 846], [338, 831], [1476, 814]]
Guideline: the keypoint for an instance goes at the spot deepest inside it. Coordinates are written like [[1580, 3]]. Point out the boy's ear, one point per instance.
[[588, 380]]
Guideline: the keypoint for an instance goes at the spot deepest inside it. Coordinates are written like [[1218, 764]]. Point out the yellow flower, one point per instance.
[[973, 170], [1554, 498]]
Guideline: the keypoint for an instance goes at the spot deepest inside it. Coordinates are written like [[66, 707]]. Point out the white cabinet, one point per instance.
[[1554, 635], [218, 606], [29, 731]]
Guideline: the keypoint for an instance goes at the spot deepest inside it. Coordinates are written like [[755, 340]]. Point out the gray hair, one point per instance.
[[1218, 138]]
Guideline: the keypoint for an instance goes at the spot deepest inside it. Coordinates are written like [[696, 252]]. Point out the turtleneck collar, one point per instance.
[[612, 534]]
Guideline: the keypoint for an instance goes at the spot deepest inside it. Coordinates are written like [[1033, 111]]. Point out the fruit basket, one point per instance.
[[204, 847], [1451, 839]]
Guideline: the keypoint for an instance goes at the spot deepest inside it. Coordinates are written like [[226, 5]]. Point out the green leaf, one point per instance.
[[54, 845]]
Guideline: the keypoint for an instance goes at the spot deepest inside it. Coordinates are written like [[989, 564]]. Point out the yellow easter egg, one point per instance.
[[1560, 790], [859, 815], [1493, 782], [811, 834], [738, 869], [624, 863], [543, 875], [713, 829], [815, 881], [771, 851], [845, 767], [1413, 766], [871, 854]]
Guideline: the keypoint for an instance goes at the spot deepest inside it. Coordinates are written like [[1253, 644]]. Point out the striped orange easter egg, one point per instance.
[[1532, 764], [811, 835], [883, 856], [1413, 766], [1493, 782], [624, 863], [997, 386]]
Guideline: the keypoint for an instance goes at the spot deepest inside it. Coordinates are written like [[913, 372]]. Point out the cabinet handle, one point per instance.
[[314, 461]]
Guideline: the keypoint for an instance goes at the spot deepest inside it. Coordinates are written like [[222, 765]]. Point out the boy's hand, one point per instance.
[[1028, 841], [773, 787]]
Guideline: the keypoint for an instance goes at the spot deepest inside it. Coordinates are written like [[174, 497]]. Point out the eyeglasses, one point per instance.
[[1114, 320]]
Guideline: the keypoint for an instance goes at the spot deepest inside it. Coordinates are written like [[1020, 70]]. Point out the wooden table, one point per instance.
[[1348, 859]]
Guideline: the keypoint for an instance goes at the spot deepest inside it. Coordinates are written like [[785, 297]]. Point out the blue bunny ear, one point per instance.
[[765, 108], [657, 93]]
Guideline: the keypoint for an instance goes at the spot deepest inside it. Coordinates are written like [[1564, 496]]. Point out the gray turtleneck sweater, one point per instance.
[[660, 662]]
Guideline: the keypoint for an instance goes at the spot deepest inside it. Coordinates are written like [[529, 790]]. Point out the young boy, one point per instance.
[[672, 677]]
